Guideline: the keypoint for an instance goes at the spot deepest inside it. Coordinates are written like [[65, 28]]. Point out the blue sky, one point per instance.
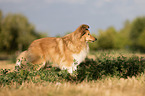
[[61, 16]]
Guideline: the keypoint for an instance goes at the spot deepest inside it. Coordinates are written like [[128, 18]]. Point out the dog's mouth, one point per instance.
[[93, 40]]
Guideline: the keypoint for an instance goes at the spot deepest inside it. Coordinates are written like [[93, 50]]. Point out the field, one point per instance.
[[103, 73]]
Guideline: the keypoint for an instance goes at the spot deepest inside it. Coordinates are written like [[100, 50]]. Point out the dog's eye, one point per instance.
[[84, 33], [88, 34]]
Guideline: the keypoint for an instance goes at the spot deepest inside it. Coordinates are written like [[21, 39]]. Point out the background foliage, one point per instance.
[[16, 33], [131, 36]]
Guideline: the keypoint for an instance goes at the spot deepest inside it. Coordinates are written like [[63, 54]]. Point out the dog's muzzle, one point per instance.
[[95, 39]]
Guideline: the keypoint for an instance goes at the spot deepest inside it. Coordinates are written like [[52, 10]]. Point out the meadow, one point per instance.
[[103, 73]]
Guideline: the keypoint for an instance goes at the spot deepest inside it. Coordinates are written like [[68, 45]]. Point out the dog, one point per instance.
[[65, 52]]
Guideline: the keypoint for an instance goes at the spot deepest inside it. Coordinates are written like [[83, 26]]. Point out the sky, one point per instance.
[[57, 17]]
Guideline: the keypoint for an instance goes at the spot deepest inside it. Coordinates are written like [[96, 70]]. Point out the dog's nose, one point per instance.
[[95, 39]]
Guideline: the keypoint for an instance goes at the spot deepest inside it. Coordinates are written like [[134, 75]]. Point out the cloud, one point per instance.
[[46, 1], [11, 1], [123, 7], [140, 4], [67, 1], [101, 3]]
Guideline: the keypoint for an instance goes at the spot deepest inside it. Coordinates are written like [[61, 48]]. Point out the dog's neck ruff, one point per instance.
[[79, 57]]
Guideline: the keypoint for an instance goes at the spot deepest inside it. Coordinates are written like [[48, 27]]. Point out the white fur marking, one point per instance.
[[18, 63], [78, 58]]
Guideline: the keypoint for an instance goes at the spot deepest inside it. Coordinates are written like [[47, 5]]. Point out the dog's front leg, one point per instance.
[[73, 68], [69, 69]]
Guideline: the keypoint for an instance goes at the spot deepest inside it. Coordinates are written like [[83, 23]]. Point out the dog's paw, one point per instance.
[[70, 70]]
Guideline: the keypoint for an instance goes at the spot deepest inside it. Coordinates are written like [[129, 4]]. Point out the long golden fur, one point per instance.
[[67, 52]]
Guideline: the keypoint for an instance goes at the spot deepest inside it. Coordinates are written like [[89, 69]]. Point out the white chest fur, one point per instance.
[[78, 58]]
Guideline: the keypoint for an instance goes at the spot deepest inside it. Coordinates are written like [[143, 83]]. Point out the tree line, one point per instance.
[[16, 33], [131, 36]]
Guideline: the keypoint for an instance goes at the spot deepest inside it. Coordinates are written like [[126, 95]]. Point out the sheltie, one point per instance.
[[66, 52]]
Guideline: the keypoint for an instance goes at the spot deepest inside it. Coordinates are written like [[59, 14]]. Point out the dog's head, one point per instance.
[[84, 33]]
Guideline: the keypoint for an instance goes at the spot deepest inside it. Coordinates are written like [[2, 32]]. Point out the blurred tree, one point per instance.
[[0, 29], [0, 19], [16, 33], [106, 40], [141, 40], [122, 37], [138, 26]]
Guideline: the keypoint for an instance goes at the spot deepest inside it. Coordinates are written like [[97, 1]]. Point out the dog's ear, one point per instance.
[[83, 29]]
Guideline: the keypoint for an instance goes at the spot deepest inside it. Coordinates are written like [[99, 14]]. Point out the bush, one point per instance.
[[121, 67], [94, 45], [141, 40], [16, 33], [138, 27], [106, 40]]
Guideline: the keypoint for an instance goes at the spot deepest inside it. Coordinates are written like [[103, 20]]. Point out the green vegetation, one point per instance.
[[109, 73], [136, 32], [106, 40], [16, 33], [90, 70], [131, 36]]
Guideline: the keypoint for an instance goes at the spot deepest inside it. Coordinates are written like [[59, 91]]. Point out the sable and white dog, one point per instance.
[[67, 52]]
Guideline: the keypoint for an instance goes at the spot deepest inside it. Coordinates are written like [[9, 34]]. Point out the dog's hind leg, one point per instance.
[[21, 59], [42, 66]]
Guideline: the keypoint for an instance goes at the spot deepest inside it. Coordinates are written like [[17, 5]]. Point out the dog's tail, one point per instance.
[[21, 59]]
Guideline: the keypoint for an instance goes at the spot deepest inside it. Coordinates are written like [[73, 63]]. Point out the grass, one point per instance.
[[109, 73], [5, 64], [110, 86]]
